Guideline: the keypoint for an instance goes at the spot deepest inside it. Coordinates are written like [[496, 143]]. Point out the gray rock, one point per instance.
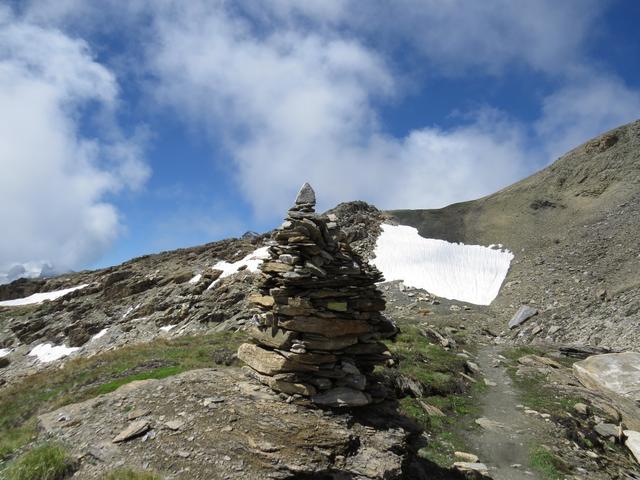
[[175, 424], [613, 372], [606, 430], [306, 195], [581, 408], [524, 313], [633, 443], [134, 429], [468, 467]]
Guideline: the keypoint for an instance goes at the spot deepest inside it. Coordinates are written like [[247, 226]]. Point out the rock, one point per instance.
[[581, 409], [329, 327], [337, 306], [488, 424], [607, 430], [4, 362], [273, 337], [134, 430], [264, 300], [137, 413], [632, 442], [174, 424], [471, 367], [524, 313], [536, 359], [471, 467], [341, 397], [279, 383], [306, 195], [613, 372], [467, 457], [269, 362]]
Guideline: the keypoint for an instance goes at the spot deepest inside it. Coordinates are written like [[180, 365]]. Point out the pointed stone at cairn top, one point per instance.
[[306, 196]]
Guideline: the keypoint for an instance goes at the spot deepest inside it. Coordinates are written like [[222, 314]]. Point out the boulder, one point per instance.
[[524, 313], [613, 372], [633, 443]]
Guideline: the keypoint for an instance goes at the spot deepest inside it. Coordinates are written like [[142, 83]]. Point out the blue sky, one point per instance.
[[130, 128]]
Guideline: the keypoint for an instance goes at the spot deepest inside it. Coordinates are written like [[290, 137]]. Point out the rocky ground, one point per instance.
[[214, 424]]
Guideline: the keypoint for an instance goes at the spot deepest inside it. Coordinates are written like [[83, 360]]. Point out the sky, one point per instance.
[[129, 128]]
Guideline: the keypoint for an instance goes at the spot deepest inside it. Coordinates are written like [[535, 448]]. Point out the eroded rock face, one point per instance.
[[321, 323], [214, 424], [618, 373]]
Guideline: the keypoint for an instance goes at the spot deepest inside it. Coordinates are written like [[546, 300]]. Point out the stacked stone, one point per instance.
[[318, 334]]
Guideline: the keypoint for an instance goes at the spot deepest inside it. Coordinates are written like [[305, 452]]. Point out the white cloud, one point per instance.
[[455, 35], [590, 104], [55, 178], [296, 105]]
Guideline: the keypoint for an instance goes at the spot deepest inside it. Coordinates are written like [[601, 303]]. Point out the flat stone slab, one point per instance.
[[523, 314], [613, 372], [133, 430]]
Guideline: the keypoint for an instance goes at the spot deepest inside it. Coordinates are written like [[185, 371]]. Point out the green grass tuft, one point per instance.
[[546, 463], [157, 373], [49, 461]]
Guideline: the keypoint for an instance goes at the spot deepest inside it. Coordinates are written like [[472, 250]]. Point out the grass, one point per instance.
[[49, 461], [545, 463], [534, 390], [162, 372], [438, 371], [130, 474], [83, 378]]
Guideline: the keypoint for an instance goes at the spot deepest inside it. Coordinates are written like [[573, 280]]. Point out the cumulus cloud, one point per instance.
[[588, 105], [489, 35], [55, 177], [295, 105]]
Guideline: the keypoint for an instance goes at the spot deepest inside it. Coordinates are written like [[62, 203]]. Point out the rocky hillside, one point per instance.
[[573, 228]]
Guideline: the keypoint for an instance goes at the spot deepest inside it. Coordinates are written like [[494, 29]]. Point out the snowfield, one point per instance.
[[47, 352], [252, 262], [469, 273], [40, 297]]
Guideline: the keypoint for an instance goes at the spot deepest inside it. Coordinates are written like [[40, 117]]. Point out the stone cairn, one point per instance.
[[318, 334]]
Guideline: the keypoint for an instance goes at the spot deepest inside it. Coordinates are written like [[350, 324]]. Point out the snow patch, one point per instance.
[[469, 273], [100, 334], [252, 262], [195, 279], [48, 353], [40, 297], [4, 352], [167, 328]]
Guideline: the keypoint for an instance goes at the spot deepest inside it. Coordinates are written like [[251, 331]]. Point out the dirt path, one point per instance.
[[503, 443]]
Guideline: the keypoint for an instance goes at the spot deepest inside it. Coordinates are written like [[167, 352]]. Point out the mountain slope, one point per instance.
[[573, 228]]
